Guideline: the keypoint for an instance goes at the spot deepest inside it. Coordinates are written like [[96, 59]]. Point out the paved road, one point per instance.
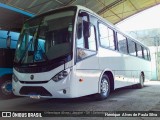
[[125, 99]]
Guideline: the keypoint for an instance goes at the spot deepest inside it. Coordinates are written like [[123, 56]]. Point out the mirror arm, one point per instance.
[[82, 14], [8, 40]]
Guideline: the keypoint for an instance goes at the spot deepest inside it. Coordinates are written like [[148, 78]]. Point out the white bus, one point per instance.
[[72, 52]]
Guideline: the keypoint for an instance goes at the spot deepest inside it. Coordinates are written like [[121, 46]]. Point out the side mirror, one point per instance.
[[8, 41], [86, 29], [70, 28], [79, 31], [82, 14]]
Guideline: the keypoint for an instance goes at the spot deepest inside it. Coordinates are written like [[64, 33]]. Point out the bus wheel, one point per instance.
[[141, 80], [6, 89], [104, 88]]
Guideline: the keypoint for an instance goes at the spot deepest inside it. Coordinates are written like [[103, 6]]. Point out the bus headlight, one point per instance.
[[14, 77], [61, 75]]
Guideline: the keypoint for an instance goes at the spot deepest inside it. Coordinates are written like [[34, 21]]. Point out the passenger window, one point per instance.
[[131, 47], [122, 43], [149, 56], [139, 51], [106, 36], [145, 53]]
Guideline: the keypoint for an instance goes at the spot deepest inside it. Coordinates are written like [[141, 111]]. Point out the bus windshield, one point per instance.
[[45, 38]]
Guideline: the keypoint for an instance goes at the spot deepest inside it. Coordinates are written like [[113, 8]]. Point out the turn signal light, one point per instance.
[[81, 80]]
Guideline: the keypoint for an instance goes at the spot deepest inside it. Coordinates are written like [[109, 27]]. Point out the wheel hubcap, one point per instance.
[[104, 86]]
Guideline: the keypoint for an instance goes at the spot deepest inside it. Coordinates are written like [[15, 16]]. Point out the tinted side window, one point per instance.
[[106, 36], [145, 53], [139, 51], [149, 56], [131, 47], [122, 43]]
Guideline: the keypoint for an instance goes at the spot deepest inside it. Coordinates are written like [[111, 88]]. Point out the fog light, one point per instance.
[[80, 80]]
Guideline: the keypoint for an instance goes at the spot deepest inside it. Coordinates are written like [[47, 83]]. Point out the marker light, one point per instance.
[[80, 80]]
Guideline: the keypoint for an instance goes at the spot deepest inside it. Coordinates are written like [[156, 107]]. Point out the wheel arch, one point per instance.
[[110, 74], [6, 76]]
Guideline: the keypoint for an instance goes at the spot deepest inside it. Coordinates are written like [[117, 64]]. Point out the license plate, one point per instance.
[[35, 96]]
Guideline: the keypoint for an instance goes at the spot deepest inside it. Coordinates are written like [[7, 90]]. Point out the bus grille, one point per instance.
[[27, 90], [33, 82]]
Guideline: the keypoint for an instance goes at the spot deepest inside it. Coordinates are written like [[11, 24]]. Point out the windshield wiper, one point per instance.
[[43, 53], [45, 56]]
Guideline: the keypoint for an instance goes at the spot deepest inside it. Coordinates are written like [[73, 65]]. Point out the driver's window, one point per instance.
[[85, 46], [92, 39]]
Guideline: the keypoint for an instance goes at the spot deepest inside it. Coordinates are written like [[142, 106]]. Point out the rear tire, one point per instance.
[[104, 88], [6, 87], [141, 79]]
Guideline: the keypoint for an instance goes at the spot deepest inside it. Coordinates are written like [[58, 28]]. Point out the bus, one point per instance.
[[8, 41], [72, 52]]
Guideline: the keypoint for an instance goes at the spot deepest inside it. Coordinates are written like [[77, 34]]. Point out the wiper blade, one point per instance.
[[45, 56], [43, 53], [40, 55]]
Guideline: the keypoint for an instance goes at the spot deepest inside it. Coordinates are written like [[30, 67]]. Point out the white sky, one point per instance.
[[147, 19]]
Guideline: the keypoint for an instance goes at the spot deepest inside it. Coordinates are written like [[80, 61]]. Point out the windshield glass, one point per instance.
[[45, 38]]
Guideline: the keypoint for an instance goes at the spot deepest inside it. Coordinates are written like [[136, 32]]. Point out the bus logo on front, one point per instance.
[[32, 77]]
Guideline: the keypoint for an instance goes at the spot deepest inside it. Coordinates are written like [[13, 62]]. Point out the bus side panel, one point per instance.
[[138, 65], [87, 73], [114, 61], [127, 69]]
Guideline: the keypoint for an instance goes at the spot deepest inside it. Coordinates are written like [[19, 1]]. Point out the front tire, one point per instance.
[[6, 88], [104, 88]]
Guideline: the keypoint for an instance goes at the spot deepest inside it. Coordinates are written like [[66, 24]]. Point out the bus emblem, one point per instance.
[[32, 77]]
